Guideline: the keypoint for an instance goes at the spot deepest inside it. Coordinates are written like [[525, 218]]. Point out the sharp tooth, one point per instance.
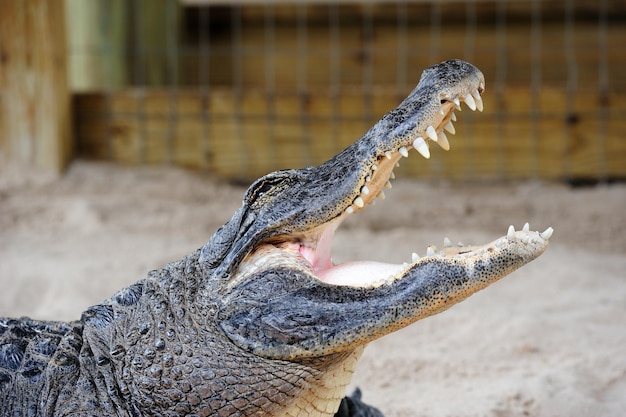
[[547, 234], [381, 195], [388, 155], [525, 239], [392, 176], [447, 243], [441, 112], [526, 227], [415, 257], [431, 133], [365, 190], [469, 100], [350, 210], [388, 185], [430, 251], [449, 127], [460, 244], [442, 254], [499, 243], [457, 103], [453, 117], [510, 234], [478, 99], [359, 202], [443, 141], [422, 147], [374, 167], [397, 164], [403, 152]]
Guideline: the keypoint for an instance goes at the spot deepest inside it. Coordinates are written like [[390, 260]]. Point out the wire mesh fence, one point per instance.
[[243, 89]]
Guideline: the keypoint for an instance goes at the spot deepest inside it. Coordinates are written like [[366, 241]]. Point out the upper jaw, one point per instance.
[[315, 197], [442, 114]]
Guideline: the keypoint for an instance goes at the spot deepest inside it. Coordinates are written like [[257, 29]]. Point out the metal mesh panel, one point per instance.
[[245, 89]]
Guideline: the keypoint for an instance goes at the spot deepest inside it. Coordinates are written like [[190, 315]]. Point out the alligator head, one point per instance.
[[282, 297], [270, 284]]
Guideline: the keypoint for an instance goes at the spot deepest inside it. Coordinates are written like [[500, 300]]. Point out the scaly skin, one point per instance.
[[259, 321]]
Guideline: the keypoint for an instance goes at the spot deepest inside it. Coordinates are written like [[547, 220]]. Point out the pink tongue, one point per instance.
[[319, 259], [359, 274]]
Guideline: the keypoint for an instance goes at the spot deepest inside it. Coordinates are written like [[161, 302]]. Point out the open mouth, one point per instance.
[[315, 246], [310, 250]]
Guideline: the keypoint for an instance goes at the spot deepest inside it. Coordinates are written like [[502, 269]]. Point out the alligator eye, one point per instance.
[[261, 188], [270, 184], [444, 101]]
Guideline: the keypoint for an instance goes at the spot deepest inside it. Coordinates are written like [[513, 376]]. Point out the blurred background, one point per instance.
[[241, 88]]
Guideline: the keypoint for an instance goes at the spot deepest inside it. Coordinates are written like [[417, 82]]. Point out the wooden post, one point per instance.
[[99, 34], [35, 120]]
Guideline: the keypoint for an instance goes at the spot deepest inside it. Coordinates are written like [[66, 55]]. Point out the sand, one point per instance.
[[549, 340]]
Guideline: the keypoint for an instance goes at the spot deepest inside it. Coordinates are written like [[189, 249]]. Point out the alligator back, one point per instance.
[[30, 352]]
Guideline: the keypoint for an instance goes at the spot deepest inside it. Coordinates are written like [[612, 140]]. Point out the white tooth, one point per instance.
[[453, 117], [469, 100], [430, 251], [431, 133], [397, 164], [441, 112], [457, 103], [415, 257], [403, 152], [443, 141], [388, 155], [422, 147], [365, 190], [442, 255], [374, 167], [350, 210], [526, 227], [381, 195], [460, 244], [388, 185], [405, 265], [368, 178], [446, 243], [499, 243], [478, 99], [449, 127], [510, 234], [392, 176], [525, 239], [547, 234], [359, 202], [372, 203]]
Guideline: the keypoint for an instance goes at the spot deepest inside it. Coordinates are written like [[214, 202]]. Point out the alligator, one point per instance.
[[260, 321]]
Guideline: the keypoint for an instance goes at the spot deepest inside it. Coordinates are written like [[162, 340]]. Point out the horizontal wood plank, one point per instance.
[[551, 135]]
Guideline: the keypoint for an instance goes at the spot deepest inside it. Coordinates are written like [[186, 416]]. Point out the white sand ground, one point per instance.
[[549, 340]]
